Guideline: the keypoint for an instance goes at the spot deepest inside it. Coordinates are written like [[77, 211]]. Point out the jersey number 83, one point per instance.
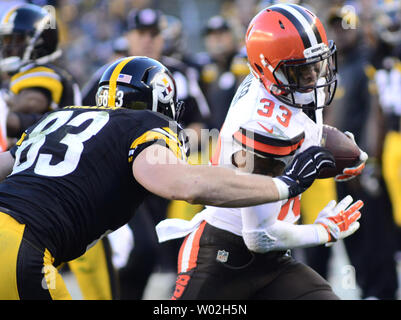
[[74, 142]]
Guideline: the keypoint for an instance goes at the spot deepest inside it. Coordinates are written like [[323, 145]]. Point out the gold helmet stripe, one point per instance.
[[113, 81]]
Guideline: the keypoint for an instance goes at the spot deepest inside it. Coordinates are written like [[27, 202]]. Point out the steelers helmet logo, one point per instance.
[[164, 86]]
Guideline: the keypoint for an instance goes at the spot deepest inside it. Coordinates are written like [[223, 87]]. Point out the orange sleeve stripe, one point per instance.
[[215, 158], [3, 142], [216, 154], [258, 146]]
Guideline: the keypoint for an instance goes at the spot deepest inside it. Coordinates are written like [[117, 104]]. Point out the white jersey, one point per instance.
[[256, 120]]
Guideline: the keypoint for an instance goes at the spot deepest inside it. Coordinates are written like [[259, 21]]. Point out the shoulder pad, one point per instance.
[[38, 76]]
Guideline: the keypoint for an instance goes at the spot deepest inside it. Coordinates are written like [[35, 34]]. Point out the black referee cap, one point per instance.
[[216, 23], [145, 19]]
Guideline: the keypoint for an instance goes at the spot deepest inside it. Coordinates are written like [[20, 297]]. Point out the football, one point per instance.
[[345, 151]]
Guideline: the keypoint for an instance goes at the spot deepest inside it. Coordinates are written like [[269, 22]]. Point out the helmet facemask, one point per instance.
[[308, 83], [13, 48], [32, 37]]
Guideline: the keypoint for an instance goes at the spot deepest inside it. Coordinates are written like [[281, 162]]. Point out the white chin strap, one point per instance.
[[304, 98], [154, 100], [308, 97], [53, 56], [10, 64]]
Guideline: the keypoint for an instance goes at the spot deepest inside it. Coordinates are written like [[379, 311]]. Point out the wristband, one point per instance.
[[322, 233], [282, 188]]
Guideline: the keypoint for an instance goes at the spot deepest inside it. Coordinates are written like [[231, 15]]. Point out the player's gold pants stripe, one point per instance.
[[11, 233], [392, 171], [113, 81], [92, 273]]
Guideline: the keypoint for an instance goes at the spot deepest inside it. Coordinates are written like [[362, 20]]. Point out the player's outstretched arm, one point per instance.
[[223, 187], [6, 164], [262, 232]]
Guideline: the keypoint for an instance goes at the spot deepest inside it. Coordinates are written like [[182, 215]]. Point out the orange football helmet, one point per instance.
[[288, 51]]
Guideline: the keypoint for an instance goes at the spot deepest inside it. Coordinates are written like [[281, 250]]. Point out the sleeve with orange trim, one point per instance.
[[266, 143]]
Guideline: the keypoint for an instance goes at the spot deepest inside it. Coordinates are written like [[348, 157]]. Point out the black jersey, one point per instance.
[[72, 181]]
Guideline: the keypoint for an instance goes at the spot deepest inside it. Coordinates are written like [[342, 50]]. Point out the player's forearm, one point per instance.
[[292, 236], [223, 187], [173, 179], [282, 236], [262, 232]]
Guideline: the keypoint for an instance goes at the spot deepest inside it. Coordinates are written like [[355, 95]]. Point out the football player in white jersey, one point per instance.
[[241, 253]]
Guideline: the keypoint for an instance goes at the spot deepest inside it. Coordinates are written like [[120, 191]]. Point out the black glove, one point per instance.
[[305, 168]]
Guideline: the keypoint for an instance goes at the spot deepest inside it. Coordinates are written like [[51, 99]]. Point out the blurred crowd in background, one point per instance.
[[203, 43]]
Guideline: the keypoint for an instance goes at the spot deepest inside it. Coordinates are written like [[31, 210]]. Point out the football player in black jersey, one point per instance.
[[29, 47], [80, 173], [29, 36]]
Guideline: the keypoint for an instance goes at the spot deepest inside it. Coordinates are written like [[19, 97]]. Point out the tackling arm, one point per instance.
[[158, 170], [176, 180]]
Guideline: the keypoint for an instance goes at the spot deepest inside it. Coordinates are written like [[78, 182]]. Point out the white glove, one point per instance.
[[341, 220], [350, 173]]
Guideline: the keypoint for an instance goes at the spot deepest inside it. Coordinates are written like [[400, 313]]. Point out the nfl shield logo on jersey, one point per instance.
[[222, 256]]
